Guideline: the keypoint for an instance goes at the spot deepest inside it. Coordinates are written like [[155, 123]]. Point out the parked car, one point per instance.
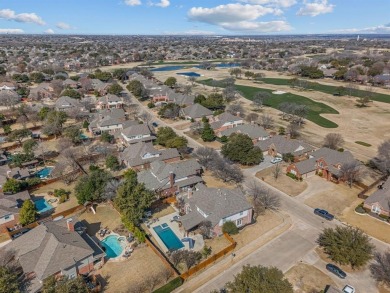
[[276, 160], [348, 289], [155, 124], [324, 214], [336, 270]]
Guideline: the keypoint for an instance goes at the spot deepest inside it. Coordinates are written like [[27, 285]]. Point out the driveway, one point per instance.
[[263, 165]]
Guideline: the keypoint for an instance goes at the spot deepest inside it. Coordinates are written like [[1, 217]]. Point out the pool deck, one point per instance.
[[199, 243], [124, 247]]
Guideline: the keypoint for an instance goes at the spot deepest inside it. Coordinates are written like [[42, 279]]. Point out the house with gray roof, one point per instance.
[[224, 121], [255, 132], [110, 120], [217, 206], [136, 133], [379, 201], [109, 101], [279, 145], [323, 161], [196, 112], [169, 179], [66, 103], [60, 248], [140, 155], [10, 205]]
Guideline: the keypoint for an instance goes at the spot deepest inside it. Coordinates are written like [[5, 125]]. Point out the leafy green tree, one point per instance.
[[230, 227], [112, 162], [42, 114], [73, 133], [119, 73], [260, 279], [207, 132], [7, 129], [133, 199], [103, 75], [8, 280], [115, 89], [91, 187], [288, 158], [106, 137], [2, 70], [20, 78], [135, 87], [85, 124], [199, 99], [346, 245], [37, 77], [178, 142], [23, 91], [213, 102], [171, 82], [311, 72], [28, 213], [165, 134], [170, 111], [19, 134], [19, 159], [239, 148], [33, 181], [72, 93], [29, 146]]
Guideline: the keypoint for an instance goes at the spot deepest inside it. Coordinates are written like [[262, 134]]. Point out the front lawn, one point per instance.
[[328, 89], [315, 108]]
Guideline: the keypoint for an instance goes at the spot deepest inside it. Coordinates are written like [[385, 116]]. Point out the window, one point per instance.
[[241, 213], [239, 222]]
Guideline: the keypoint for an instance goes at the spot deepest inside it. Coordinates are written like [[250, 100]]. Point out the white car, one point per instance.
[[276, 160], [348, 289]]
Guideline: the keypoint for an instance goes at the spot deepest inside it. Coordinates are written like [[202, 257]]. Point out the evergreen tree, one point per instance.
[[28, 213], [207, 132]]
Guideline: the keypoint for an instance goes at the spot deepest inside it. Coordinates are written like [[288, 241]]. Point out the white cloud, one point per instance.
[[275, 3], [380, 29], [11, 31], [63, 26], [239, 17], [315, 8], [191, 33], [9, 14], [133, 2], [162, 3], [49, 31]]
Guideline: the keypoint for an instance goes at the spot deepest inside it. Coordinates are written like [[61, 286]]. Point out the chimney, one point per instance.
[[70, 224], [189, 193], [238, 114], [171, 178], [9, 173]]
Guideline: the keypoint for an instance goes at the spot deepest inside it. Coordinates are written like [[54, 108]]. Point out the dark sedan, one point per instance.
[[336, 270], [324, 214]]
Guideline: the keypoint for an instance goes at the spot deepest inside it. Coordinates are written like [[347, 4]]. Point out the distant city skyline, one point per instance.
[[194, 17]]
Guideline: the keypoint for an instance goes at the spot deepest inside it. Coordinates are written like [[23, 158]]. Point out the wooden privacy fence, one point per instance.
[[211, 259], [161, 256], [52, 180]]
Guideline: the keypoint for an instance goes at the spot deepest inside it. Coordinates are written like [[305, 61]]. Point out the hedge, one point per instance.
[[169, 287]]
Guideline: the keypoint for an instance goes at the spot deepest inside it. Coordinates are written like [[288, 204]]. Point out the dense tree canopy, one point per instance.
[[260, 279], [12, 185], [171, 82], [346, 245], [71, 93], [207, 132], [135, 87], [8, 280], [115, 89], [64, 285], [311, 72], [239, 148], [28, 213], [91, 187]]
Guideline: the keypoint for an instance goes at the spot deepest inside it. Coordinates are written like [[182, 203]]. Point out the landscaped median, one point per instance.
[[315, 108]]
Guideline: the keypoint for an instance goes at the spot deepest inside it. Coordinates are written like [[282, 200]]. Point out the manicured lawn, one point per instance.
[[328, 89], [315, 108], [363, 143]]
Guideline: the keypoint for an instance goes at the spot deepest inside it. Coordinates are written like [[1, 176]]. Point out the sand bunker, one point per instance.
[[278, 92]]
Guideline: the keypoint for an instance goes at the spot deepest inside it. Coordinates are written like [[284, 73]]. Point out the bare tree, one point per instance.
[[139, 287], [266, 121], [133, 110], [187, 89], [293, 130], [276, 171], [300, 112], [350, 172], [333, 141], [257, 103], [151, 281], [230, 93], [259, 98], [261, 198], [380, 269], [235, 109], [145, 117], [226, 171], [365, 98], [192, 79], [205, 229], [111, 189], [191, 258], [176, 257], [166, 274], [382, 160], [206, 156], [251, 117]]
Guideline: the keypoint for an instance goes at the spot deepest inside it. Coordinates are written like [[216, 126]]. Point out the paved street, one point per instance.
[[284, 251]]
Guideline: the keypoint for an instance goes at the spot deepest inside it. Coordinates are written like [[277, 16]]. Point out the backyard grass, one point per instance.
[[328, 89], [172, 285], [307, 278], [315, 108], [363, 143]]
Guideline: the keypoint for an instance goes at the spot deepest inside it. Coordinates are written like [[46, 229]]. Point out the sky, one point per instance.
[[194, 17]]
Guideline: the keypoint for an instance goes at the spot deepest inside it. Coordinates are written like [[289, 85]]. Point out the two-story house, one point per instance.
[[60, 248], [66, 103], [224, 121], [110, 120], [169, 179], [140, 155], [109, 101], [136, 133], [216, 205]]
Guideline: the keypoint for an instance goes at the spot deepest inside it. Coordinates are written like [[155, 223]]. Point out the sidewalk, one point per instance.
[[193, 283]]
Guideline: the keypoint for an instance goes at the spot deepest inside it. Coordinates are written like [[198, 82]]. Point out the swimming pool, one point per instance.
[[112, 246], [44, 173], [189, 74], [42, 206], [168, 237]]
